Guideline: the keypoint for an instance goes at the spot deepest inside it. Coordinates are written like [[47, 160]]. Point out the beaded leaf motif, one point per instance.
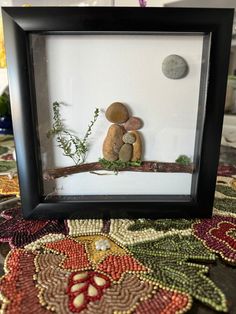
[[168, 258], [161, 224]]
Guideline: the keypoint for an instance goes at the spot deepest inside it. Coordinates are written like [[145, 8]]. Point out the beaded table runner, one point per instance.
[[9, 185], [118, 266], [7, 163]]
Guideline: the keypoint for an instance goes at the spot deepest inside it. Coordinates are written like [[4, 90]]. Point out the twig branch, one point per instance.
[[146, 166]]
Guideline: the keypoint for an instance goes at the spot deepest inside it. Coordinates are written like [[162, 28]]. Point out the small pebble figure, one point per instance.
[[123, 141]]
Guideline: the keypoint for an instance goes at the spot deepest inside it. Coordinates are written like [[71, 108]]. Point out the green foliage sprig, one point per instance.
[[118, 164], [72, 145]]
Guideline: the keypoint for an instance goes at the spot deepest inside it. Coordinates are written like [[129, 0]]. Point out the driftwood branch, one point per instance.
[[146, 166]]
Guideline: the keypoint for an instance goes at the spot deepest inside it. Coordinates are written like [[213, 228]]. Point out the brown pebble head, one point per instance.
[[117, 113]]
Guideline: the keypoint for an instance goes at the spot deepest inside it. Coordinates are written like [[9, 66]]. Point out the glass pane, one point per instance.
[[160, 79]]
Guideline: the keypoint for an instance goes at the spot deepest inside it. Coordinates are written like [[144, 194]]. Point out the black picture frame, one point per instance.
[[19, 23]]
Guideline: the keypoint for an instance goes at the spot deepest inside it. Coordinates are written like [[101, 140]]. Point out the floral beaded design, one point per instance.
[[117, 266], [218, 234], [9, 186], [49, 287], [19, 268], [85, 287], [80, 254], [169, 259], [19, 232], [102, 245], [137, 277]]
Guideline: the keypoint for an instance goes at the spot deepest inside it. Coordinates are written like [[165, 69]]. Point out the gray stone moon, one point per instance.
[[174, 67]]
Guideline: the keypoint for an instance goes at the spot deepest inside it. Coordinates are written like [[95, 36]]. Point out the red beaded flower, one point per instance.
[[72, 275], [7, 157], [219, 235], [18, 291], [19, 232]]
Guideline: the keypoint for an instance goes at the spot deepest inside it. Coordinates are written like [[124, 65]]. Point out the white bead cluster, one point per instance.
[[102, 245]]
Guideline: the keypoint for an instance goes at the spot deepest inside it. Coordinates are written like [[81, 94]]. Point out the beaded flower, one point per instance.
[[19, 232], [67, 274], [219, 235]]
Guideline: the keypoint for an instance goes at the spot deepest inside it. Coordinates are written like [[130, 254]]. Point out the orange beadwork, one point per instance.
[[164, 302], [115, 266], [9, 186], [76, 256], [17, 287]]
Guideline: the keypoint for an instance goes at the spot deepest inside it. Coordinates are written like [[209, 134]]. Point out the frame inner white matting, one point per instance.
[[89, 71]]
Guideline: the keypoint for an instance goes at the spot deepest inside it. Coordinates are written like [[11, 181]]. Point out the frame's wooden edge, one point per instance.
[[18, 76], [214, 115], [19, 22], [43, 18], [110, 210]]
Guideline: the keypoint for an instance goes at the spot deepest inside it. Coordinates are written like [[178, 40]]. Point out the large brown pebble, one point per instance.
[[125, 153], [113, 142], [117, 113], [137, 147], [134, 123]]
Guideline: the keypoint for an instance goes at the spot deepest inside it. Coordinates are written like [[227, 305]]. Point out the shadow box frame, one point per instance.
[[19, 23]]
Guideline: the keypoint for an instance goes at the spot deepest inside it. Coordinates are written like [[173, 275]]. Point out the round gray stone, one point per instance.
[[174, 67], [129, 138]]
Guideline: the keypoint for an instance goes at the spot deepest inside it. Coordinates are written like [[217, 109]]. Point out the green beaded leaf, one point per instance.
[[173, 261], [7, 165], [161, 224], [6, 138], [225, 204], [228, 191], [182, 247], [3, 150]]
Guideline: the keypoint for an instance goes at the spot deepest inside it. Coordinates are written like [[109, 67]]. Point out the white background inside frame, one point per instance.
[[89, 71]]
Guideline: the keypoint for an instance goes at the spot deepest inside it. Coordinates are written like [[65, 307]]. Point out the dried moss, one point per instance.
[[118, 164]]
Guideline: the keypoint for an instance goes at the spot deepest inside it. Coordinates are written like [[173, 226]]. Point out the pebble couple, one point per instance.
[[123, 141]]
